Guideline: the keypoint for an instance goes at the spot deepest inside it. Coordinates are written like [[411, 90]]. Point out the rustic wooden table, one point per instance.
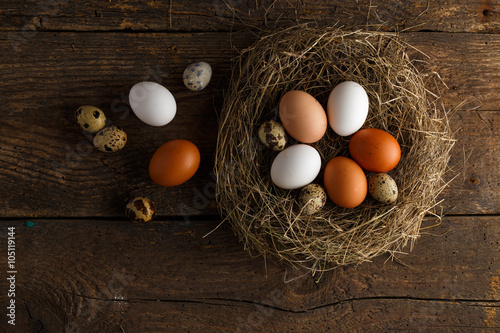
[[80, 266]]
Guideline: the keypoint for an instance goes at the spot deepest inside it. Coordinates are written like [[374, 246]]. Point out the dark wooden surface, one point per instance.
[[82, 267]]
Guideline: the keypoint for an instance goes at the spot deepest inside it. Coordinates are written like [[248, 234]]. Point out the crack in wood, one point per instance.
[[35, 324], [487, 303]]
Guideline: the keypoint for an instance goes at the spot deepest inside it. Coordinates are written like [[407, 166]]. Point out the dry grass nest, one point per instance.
[[268, 219]]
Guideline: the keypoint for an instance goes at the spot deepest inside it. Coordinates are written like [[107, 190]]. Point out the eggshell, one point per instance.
[[347, 108], [197, 75], [110, 139], [152, 103], [312, 198], [174, 163], [90, 118], [375, 150], [383, 188], [345, 182], [302, 116], [140, 210], [296, 166], [272, 134]]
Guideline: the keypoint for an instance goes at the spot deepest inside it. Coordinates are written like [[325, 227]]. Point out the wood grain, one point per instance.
[[83, 268], [225, 15], [95, 276], [50, 170]]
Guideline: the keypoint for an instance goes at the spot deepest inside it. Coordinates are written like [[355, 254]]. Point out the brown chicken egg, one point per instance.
[[174, 163], [303, 116], [345, 182], [375, 150]]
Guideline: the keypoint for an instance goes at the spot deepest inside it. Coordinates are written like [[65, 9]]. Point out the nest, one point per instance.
[[268, 219]]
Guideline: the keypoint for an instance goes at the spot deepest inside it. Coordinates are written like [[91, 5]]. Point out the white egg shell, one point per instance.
[[197, 75], [296, 166], [347, 108], [152, 103]]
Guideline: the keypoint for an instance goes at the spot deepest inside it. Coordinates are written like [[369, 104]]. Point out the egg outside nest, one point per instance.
[[90, 118], [197, 76], [110, 139], [140, 210]]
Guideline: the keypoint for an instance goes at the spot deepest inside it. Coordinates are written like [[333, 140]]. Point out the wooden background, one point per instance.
[[82, 267]]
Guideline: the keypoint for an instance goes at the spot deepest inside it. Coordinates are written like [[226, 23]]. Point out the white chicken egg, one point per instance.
[[152, 103], [295, 167], [347, 108]]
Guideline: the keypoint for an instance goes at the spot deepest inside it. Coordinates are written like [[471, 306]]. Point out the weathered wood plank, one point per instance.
[[49, 169], [476, 149], [95, 276], [361, 316], [217, 15]]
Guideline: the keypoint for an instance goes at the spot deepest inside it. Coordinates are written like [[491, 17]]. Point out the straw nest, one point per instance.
[[268, 219]]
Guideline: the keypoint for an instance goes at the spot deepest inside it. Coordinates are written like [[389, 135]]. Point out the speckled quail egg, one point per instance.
[[312, 198], [140, 210], [197, 75], [272, 134], [110, 139], [90, 118], [383, 188]]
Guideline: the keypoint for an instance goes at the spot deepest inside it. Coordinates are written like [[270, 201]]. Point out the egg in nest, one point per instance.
[[272, 134], [312, 198], [383, 188]]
